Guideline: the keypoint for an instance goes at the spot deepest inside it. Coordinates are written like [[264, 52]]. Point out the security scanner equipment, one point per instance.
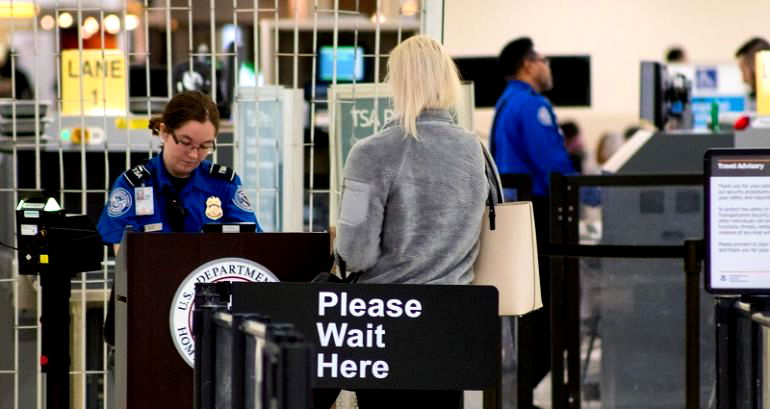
[[717, 89], [55, 246], [23, 118], [664, 99], [737, 221]]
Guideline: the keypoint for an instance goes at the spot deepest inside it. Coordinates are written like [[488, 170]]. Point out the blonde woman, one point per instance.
[[414, 193]]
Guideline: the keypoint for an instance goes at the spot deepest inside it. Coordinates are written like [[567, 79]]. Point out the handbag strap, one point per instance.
[[495, 193], [343, 267]]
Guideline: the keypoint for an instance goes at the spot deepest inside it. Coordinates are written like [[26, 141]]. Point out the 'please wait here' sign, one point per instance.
[[93, 82]]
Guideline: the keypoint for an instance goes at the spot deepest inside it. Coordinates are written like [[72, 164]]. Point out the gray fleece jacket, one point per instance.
[[411, 208]]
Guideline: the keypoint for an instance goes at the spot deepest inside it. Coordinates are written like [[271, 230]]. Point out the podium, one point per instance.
[[149, 370]]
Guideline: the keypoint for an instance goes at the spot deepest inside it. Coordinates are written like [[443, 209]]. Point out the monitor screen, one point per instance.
[[350, 63], [488, 83], [571, 79], [737, 221]]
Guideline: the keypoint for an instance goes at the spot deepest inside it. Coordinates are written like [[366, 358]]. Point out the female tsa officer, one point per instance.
[[177, 191]]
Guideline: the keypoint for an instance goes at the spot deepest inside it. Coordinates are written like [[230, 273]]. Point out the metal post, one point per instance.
[[55, 323], [724, 318], [692, 323]]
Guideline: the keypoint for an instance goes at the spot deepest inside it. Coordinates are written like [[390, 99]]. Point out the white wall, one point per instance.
[[617, 34]]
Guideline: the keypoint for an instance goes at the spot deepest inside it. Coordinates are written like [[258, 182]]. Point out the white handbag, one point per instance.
[[508, 249]]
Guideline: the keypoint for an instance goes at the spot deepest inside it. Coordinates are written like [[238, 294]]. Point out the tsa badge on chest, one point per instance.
[[213, 208]]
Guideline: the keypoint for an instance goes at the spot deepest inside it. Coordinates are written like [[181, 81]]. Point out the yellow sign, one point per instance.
[[102, 75], [134, 123]]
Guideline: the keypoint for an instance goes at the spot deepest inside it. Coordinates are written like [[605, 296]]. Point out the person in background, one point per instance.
[[676, 55], [573, 141], [526, 139], [13, 82], [414, 193], [746, 62], [609, 143]]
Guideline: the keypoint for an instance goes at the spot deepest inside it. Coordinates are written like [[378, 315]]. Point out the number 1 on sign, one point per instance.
[[95, 92]]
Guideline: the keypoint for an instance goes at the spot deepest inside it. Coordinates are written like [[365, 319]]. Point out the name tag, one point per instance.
[[153, 227], [145, 205]]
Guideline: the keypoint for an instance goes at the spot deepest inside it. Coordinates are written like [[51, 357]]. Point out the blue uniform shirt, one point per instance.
[[526, 138], [208, 197]]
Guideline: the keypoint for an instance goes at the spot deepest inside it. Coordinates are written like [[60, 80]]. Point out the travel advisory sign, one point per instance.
[[223, 269]]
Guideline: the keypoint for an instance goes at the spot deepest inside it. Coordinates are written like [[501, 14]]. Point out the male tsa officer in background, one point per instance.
[[526, 139], [177, 191]]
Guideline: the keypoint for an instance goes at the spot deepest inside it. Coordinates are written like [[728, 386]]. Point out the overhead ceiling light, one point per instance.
[[47, 22], [378, 18], [17, 9], [409, 7], [132, 22], [112, 24], [65, 20], [90, 27]]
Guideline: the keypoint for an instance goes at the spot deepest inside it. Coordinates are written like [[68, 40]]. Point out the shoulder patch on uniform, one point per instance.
[[137, 174], [120, 202], [222, 172], [241, 200], [544, 117]]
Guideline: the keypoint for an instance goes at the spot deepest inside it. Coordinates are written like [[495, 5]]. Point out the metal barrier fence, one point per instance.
[[743, 356], [631, 326]]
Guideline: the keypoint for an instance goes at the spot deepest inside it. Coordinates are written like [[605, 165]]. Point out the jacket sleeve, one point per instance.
[[237, 206], [119, 212], [359, 226]]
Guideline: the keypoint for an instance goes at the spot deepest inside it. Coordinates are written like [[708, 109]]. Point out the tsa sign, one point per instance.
[[101, 77]]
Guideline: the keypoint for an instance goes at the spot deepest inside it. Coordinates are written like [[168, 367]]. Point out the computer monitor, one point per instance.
[[350, 63], [737, 221], [488, 83], [664, 97], [571, 79]]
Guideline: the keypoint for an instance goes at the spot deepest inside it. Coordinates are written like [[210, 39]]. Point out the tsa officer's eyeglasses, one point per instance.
[[205, 148]]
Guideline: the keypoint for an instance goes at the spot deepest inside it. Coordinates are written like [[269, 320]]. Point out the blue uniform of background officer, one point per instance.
[[177, 190], [526, 139]]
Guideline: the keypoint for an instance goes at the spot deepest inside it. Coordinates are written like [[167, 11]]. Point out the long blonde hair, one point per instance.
[[422, 75]]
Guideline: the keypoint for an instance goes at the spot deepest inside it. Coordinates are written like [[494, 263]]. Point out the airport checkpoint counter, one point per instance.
[[154, 287]]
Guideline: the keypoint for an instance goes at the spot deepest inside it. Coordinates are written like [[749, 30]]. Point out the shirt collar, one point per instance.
[[521, 85], [430, 114], [196, 177], [435, 115]]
